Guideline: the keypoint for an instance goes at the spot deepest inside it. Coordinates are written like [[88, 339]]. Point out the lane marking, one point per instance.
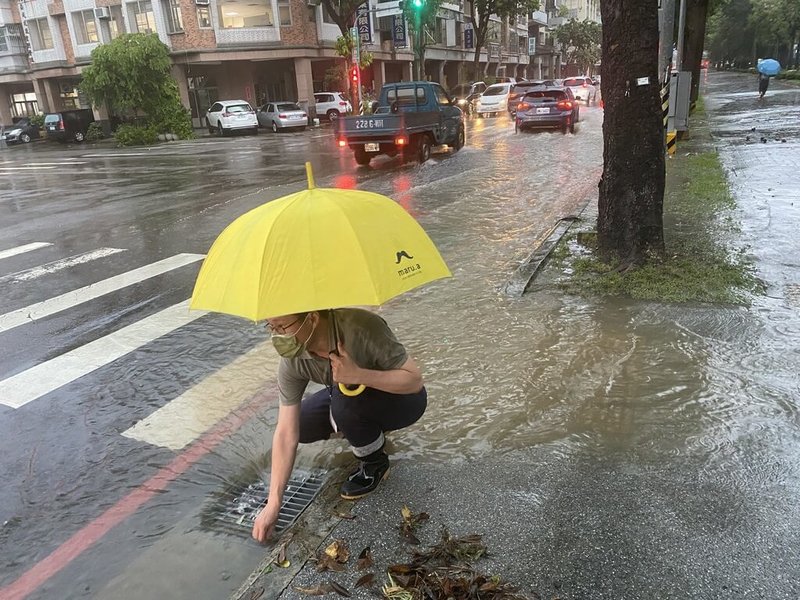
[[28, 168], [90, 534], [183, 419], [27, 386], [45, 308], [60, 265], [21, 249]]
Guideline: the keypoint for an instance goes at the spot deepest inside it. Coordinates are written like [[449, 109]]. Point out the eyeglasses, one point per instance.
[[280, 330]]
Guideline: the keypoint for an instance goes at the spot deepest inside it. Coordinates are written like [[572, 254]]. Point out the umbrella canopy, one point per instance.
[[316, 249], [769, 66]]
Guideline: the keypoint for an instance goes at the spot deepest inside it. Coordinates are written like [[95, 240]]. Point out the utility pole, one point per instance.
[[681, 28], [666, 21]]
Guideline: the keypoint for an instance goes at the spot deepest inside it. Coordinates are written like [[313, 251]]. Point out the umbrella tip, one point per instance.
[[310, 175]]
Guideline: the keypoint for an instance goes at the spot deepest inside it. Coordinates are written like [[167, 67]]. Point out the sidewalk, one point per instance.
[[664, 492]]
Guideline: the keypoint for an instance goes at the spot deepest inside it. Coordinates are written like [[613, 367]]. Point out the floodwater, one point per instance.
[[712, 384]]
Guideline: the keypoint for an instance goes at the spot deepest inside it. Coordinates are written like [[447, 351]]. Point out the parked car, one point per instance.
[[68, 125], [332, 105], [282, 115], [523, 87], [553, 107], [464, 95], [20, 131], [494, 100], [582, 88], [227, 116]]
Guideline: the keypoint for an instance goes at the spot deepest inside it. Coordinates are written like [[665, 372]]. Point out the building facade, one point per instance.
[[257, 50]]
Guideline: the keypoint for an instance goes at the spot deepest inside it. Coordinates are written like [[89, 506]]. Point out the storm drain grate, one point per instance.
[[237, 509]]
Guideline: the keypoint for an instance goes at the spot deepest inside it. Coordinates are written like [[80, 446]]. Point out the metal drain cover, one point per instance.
[[237, 508]]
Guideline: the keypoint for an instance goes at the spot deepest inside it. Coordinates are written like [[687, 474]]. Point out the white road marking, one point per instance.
[[60, 265], [41, 168], [22, 388], [45, 308], [184, 419], [21, 249]]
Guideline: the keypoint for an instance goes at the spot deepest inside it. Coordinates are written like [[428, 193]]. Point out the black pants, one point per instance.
[[763, 84], [362, 419]]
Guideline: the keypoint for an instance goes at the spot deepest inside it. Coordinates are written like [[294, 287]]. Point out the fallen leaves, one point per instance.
[[410, 522], [324, 588], [366, 580], [334, 557], [364, 559]]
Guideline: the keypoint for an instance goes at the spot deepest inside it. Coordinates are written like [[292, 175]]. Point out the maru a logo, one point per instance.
[[401, 255]]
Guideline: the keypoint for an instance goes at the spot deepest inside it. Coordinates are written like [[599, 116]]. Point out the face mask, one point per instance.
[[288, 345]]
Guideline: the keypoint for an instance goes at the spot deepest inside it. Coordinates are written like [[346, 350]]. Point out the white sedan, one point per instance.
[[494, 100]]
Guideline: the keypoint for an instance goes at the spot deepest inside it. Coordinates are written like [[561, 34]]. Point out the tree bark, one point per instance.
[[630, 222], [694, 40]]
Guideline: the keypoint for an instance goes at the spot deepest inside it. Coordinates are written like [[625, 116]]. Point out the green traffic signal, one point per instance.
[[417, 3]]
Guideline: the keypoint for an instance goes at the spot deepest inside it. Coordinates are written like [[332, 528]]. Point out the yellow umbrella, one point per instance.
[[313, 250]]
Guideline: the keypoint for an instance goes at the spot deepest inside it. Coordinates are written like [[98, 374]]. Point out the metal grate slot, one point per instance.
[[237, 508]]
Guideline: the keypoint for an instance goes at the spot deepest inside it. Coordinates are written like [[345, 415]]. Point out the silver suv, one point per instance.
[[582, 88], [332, 105]]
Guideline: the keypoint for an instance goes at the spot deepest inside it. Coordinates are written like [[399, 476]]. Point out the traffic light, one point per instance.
[[417, 4], [354, 75]]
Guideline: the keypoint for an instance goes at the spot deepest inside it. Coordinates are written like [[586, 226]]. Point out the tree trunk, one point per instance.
[[694, 39], [630, 225]]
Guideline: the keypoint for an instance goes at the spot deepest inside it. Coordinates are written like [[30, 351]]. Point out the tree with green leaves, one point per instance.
[[131, 77], [581, 42], [421, 18], [480, 14]]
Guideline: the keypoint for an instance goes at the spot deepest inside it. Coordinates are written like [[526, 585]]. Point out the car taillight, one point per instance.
[[565, 105], [342, 143], [585, 84], [401, 141], [342, 103], [227, 114], [281, 116], [523, 106], [61, 125]]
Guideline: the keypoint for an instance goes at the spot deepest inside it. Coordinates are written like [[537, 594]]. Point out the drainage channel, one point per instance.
[[236, 509]]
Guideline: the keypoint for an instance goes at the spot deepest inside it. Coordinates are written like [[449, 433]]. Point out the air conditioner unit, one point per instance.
[[102, 12], [202, 2]]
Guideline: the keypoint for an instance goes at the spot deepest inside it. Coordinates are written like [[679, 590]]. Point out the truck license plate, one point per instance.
[[372, 147]]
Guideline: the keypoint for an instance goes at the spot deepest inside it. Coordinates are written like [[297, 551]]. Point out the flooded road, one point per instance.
[[112, 469]]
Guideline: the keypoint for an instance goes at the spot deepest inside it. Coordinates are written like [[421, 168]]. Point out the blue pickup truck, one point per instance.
[[408, 119]]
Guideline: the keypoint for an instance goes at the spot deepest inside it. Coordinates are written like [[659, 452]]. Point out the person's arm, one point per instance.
[[405, 379], [284, 449]]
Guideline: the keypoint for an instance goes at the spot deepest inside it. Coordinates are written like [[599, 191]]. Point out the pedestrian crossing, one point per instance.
[[181, 420]]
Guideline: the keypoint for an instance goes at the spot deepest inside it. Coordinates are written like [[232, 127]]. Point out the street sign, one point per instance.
[[469, 36], [356, 45], [531, 45], [364, 24], [399, 31]]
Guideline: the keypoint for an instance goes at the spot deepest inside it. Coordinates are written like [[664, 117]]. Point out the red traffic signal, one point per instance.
[[354, 75]]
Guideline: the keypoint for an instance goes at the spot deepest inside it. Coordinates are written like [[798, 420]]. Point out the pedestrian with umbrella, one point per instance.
[[766, 68], [303, 263]]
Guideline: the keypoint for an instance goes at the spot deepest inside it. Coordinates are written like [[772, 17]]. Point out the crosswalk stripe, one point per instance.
[[45, 308], [184, 419], [60, 265], [22, 388], [22, 249]]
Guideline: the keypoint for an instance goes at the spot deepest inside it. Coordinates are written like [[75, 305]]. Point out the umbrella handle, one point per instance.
[[347, 391]]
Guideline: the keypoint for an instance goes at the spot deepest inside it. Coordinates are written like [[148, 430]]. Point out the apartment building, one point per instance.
[[257, 50], [583, 10]]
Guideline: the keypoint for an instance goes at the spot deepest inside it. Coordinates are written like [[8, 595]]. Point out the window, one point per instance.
[[116, 24], [441, 96], [25, 104], [141, 17], [39, 30], [204, 17], [326, 16], [172, 10], [85, 27], [3, 40], [235, 15], [285, 12]]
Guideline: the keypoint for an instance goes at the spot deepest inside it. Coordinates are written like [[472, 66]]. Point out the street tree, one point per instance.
[[581, 41], [343, 13], [630, 222], [480, 13], [421, 18], [131, 77]]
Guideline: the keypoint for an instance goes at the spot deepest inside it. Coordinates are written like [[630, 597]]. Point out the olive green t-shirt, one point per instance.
[[366, 338]]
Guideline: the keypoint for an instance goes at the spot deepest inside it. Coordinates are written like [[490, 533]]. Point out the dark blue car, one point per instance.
[[552, 107]]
